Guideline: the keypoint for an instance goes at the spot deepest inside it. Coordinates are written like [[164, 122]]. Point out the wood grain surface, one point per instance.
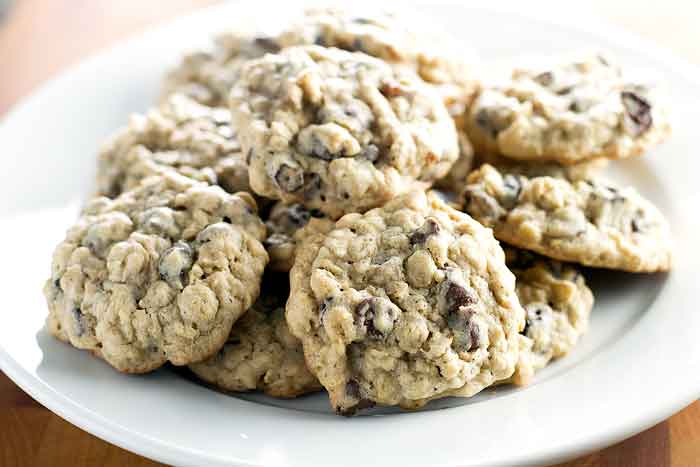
[[31, 435]]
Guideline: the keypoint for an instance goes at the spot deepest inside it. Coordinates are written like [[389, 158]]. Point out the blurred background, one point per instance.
[[40, 37]]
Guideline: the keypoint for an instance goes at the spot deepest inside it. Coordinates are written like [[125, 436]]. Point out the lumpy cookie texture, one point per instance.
[[181, 135], [396, 40], [557, 306], [574, 110], [158, 274], [206, 76], [283, 223], [260, 353], [585, 221], [339, 131], [404, 304]]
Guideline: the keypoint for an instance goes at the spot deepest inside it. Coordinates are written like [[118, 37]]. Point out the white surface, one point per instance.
[[637, 365]]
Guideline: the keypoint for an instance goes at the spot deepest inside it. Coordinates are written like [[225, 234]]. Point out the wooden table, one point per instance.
[[31, 435]]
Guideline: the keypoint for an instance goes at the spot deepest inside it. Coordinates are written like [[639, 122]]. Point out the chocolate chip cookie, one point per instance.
[[557, 306], [339, 131], [403, 304], [260, 353], [207, 75], [587, 221], [158, 274], [194, 140], [396, 39], [568, 111]]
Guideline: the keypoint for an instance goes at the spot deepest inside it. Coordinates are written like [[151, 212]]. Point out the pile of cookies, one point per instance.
[[349, 204]]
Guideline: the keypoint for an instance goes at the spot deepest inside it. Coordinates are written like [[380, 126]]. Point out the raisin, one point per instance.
[[289, 179], [420, 235], [267, 43], [391, 89], [638, 112], [544, 79]]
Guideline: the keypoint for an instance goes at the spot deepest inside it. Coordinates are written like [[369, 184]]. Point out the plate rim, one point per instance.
[[166, 452]]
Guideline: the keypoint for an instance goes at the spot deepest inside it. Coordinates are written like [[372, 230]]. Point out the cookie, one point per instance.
[[396, 39], [206, 76], [557, 306], [403, 304], [586, 221], [158, 274], [568, 111], [283, 223], [183, 136], [339, 131], [260, 353]]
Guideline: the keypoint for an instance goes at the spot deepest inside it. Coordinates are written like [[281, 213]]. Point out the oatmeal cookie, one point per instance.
[[182, 135], [207, 75], [158, 274], [557, 306], [398, 40], [260, 353], [574, 110], [283, 223], [339, 131], [586, 221], [404, 304]]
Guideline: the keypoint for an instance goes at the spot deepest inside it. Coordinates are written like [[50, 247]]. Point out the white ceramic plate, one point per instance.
[[638, 364]]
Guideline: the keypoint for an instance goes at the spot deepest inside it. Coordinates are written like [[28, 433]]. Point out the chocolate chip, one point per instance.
[[465, 330], [512, 188], [320, 151], [488, 120], [637, 111], [370, 309], [544, 79], [289, 179], [457, 296], [267, 43], [360, 20], [312, 185], [175, 263], [365, 315], [479, 204], [420, 235], [536, 316], [298, 215], [353, 391], [78, 320], [57, 283], [371, 153]]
